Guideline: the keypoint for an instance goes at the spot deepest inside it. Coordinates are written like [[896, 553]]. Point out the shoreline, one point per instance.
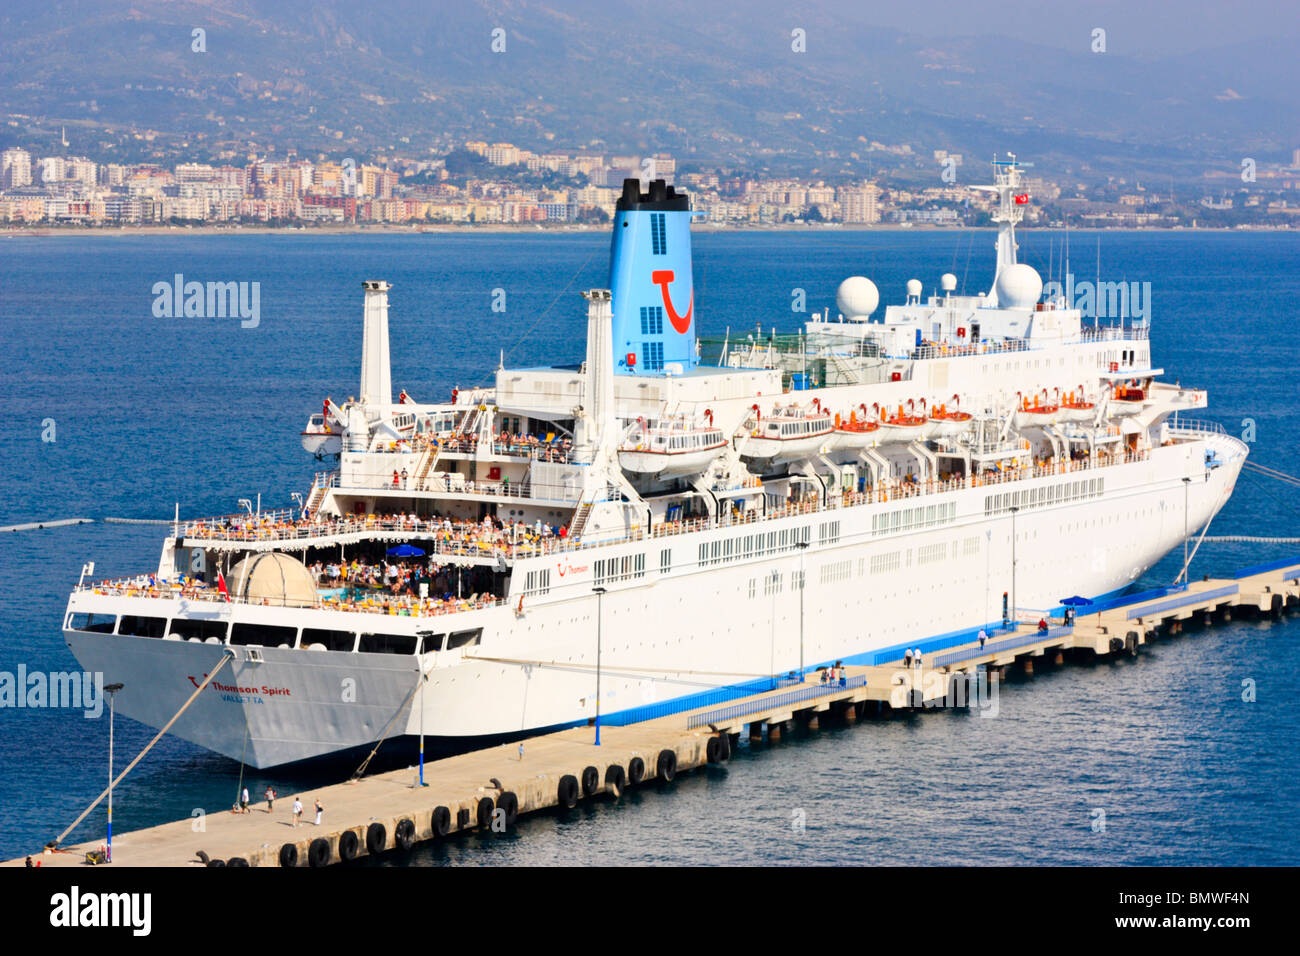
[[568, 230]]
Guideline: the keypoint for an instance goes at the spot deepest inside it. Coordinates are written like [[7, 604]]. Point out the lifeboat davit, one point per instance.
[[788, 434], [858, 431], [904, 426], [946, 422]]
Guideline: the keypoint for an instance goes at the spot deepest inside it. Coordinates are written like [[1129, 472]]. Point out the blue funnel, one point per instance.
[[650, 279]]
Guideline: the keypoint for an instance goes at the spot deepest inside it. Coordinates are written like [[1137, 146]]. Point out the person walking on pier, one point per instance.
[[270, 799], [521, 750], [983, 638], [243, 801], [319, 810], [297, 811], [907, 657]]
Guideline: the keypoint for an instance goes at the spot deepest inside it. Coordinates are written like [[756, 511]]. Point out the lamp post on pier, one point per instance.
[[600, 607], [802, 546], [111, 690]]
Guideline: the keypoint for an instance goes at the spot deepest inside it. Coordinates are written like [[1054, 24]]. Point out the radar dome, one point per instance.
[[914, 287], [1018, 287], [857, 297], [947, 282]]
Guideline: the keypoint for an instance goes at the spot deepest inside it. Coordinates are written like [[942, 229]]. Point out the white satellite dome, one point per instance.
[[857, 297], [1018, 287], [947, 282], [914, 287]]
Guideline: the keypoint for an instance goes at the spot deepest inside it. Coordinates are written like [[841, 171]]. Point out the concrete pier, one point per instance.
[[487, 790]]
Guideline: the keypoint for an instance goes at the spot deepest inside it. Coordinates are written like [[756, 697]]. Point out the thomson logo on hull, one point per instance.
[[242, 695]]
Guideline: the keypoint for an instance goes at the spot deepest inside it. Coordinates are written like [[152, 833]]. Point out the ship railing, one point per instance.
[[952, 349], [1115, 333], [508, 544], [1194, 426], [325, 479], [391, 605]]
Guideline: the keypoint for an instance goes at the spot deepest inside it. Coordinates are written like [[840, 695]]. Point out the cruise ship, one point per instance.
[[678, 519]]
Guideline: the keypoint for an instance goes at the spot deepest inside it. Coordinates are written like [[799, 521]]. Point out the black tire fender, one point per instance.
[[508, 803], [440, 824], [485, 808], [635, 771], [349, 845], [590, 781], [376, 838], [667, 765], [236, 861], [404, 834], [318, 853], [567, 791], [289, 855], [713, 750], [615, 780]]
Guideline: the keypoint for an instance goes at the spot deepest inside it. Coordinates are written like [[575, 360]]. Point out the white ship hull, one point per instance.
[[670, 635]]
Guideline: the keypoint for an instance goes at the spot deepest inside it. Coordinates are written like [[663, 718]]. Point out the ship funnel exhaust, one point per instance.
[[598, 387], [650, 279], [376, 372]]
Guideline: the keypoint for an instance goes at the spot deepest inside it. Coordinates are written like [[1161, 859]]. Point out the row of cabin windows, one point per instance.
[[913, 519], [930, 553], [613, 570], [538, 582], [1045, 496], [828, 532], [742, 547], [271, 635], [836, 571]]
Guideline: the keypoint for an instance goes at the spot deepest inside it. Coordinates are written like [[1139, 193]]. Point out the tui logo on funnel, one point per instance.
[[661, 278]]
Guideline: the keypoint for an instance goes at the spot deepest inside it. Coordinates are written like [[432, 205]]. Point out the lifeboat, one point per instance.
[[1037, 412], [790, 433], [946, 422], [857, 431], [1126, 400], [319, 438], [904, 426], [1077, 408], [675, 448]]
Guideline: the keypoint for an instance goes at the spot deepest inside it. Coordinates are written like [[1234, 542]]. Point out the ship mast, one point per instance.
[[1011, 202]]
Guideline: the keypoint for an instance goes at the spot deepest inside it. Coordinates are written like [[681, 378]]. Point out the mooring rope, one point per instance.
[[229, 656]]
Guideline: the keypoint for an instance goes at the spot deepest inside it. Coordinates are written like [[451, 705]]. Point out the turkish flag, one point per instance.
[[1022, 199], [221, 585]]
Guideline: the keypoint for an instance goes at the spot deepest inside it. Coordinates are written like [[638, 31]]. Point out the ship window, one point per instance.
[[187, 628], [95, 623], [652, 353], [464, 638], [388, 644], [431, 643], [658, 239], [143, 626], [330, 640], [665, 560], [652, 320], [265, 635]]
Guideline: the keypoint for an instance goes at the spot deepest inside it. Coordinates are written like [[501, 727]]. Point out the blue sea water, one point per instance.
[[150, 414]]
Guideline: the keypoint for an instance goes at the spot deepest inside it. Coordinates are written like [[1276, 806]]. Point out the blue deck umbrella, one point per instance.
[[1075, 601], [405, 551]]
